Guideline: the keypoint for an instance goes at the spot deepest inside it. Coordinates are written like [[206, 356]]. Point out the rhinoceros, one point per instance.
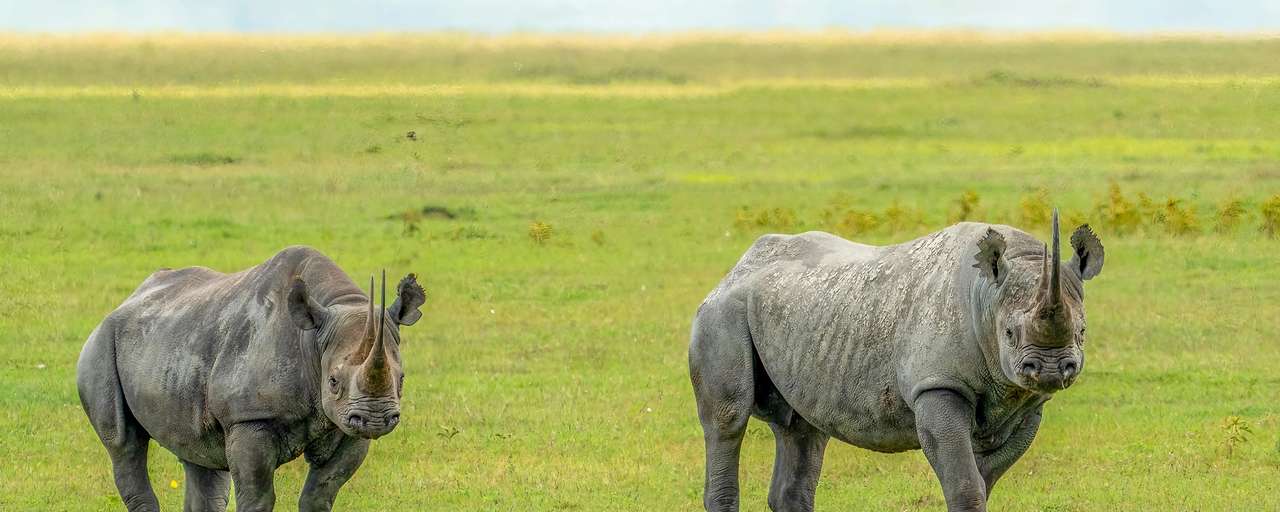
[[239, 373], [951, 343]]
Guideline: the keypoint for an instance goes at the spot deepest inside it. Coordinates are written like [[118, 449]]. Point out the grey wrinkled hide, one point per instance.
[[951, 343], [239, 373]]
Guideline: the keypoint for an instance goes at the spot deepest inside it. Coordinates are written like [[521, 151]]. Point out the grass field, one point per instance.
[[550, 370]]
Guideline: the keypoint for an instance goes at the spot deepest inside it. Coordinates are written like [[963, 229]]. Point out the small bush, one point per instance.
[[1119, 213], [1229, 217], [539, 232], [749, 220], [1271, 216], [855, 222], [1235, 432], [898, 218], [966, 205], [1179, 220], [1034, 209]]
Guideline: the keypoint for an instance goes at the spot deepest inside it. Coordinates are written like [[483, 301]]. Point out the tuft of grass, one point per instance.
[[1271, 216], [540, 232], [1230, 215], [1235, 432], [1117, 213], [1178, 218], [966, 206], [1034, 209]]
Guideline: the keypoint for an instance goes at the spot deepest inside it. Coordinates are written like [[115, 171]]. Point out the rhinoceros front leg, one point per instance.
[[944, 422], [252, 455], [327, 476], [993, 464]]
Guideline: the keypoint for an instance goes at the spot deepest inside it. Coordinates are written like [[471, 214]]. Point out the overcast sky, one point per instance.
[[497, 16]]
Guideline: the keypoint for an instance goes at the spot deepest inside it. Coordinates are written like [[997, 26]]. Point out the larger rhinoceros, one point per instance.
[[239, 373], [952, 343]]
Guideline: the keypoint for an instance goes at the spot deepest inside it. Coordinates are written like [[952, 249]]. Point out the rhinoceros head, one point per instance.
[[1039, 316], [361, 377]]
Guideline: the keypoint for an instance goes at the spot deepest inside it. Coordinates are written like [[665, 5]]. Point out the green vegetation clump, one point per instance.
[[1178, 218], [1271, 216], [966, 206], [1034, 209], [1230, 214], [1119, 214], [540, 232]]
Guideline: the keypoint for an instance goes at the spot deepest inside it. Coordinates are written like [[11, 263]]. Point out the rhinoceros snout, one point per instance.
[[372, 426], [1049, 377]]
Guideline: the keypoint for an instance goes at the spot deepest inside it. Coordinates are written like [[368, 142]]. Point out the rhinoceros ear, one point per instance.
[[409, 297], [1088, 253], [306, 313], [991, 262]]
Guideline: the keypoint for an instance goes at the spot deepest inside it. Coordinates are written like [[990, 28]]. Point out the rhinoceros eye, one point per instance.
[[1008, 333], [333, 384]]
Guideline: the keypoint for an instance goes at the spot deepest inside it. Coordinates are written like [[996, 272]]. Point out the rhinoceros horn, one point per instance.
[[374, 368], [1050, 308]]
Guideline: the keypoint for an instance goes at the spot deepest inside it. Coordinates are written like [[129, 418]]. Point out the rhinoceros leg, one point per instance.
[[720, 366], [944, 422], [327, 476], [207, 489], [125, 440], [797, 464], [252, 455]]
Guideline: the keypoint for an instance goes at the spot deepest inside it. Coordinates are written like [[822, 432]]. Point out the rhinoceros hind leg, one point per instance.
[[720, 366], [207, 489], [125, 440], [797, 464]]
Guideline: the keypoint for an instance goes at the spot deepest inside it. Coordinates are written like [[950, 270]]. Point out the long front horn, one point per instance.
[[1055, 284], [375, 367]]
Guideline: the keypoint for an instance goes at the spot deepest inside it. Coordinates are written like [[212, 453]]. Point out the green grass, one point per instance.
[[559, 367]]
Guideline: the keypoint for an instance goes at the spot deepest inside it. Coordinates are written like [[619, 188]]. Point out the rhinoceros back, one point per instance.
[[836, 324]]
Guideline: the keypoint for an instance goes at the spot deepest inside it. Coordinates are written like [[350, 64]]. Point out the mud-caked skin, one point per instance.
[[239, 373], [950, 343]]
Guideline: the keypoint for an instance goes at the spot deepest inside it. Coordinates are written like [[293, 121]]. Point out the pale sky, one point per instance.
[[638, 16]]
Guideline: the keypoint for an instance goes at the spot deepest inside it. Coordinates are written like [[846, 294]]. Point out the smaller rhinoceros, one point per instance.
[[950, 343], [239, 373]]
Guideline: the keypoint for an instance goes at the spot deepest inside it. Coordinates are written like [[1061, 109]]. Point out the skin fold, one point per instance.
[[237, 374], [950, 343]]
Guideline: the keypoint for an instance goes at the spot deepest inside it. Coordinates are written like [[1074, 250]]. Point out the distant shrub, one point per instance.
[[855, 222], [1271, 216], [1034, 208], [540, 232], [749, 220], [1235, 432], [898, 218], [1229, 216], [1118, 213], [966, 205], [1179, 220], [1070, 219]]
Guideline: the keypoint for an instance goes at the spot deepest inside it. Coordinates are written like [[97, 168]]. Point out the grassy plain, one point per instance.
[[552, 375]]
